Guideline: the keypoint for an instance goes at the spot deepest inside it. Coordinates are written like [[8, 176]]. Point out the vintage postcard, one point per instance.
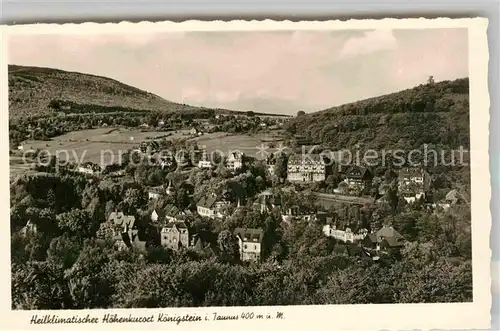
[[246, 175]]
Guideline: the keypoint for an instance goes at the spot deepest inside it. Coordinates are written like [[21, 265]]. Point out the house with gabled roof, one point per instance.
[[358, 179], [122, 230], [175, 235], [267, 201], [211, 206], [89, 168], [250, 243], [413, 183], [384, 239], [156, 192], [157, 215], [235, 161]]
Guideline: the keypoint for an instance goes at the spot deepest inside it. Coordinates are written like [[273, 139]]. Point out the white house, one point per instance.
[[314, 168], [346, 235], [155, 192], [211, 206], [235, 161], [250, 243], [205, 164], [175, 235]]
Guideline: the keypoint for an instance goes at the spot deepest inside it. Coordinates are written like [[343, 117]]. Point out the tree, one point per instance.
[[77, 222], [39, 285], [301, 113], [89, 285], [229, 248]]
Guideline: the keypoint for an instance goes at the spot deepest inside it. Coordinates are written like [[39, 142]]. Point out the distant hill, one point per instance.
[[31, 89], [435, 113]]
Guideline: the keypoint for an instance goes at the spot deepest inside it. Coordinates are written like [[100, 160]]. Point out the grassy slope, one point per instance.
[[32, 88], [427, 114]]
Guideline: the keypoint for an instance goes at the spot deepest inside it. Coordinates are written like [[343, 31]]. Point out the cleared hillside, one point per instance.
[[31, 89], [427, 114]]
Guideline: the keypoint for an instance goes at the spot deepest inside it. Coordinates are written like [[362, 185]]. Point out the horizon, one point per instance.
[[289, 80]]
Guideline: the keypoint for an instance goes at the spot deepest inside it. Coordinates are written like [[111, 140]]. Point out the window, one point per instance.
[[245, 246]]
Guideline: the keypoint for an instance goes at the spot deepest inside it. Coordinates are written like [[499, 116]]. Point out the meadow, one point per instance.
[[105, 145], [251, 145]]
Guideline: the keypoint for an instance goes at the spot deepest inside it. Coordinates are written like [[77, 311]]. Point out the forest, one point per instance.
[[63, 266]]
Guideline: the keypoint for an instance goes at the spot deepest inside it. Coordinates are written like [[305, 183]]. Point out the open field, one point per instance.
[[105, 145], [117, 135], [101, 146], [248, 144]]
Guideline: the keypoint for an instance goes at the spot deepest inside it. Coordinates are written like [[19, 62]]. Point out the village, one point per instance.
[[357, 186]]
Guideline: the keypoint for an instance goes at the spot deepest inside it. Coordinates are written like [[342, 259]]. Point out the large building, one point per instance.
[[358, 179], [250, 242], [308, 168], [175, 235], [413, 183], [122, 230], [211, 206]]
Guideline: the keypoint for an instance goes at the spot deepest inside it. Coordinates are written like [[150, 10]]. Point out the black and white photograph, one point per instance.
[[236, 167]]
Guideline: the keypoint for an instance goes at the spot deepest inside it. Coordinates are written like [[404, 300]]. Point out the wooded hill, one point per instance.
[[436, 113]]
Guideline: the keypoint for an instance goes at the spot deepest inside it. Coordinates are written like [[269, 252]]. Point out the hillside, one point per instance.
[[427, 114], [31, 90]]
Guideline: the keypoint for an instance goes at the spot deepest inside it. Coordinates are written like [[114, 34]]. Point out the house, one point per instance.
[[89, 168], [250, 242], [384, 239], [296, 214], [122, 230], [211, 206], [309, 168], [30, 227], [271, 165], [157, 215], [175, 235], [413, 175], [347, 236], [155, 192], [205, 162], [267, 201], [358, 179], [166, 161], [235, 161], [196, 132]]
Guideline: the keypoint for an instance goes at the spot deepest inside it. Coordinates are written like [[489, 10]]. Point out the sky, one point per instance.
[[265, 71]]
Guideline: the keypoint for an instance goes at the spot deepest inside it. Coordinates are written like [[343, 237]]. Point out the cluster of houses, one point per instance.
[[412, 182]]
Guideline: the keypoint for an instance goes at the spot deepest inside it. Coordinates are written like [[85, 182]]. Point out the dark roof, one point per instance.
[[391, 236], [171, 210], [177, 224], [372, 237], [207, 202], [357, 172], [298, 158], [159, 212], [249, 235]]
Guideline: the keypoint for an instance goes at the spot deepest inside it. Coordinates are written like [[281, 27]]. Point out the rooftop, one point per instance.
[[249, 235]]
